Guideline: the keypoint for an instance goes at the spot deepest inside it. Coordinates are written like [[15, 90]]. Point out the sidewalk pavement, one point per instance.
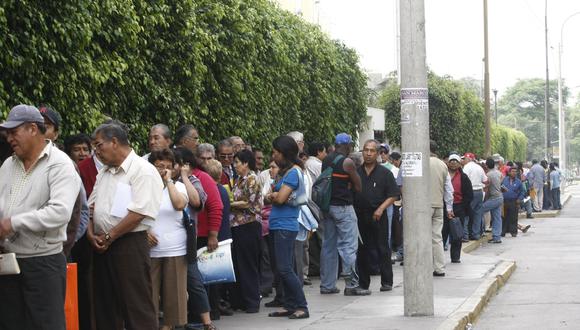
[[459, 298]]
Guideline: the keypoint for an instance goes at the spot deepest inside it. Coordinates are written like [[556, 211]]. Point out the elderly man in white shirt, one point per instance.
[[38, 188], [126, 199], [478, 179]]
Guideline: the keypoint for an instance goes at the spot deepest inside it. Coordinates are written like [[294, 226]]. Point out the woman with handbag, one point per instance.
[[284, 226], [462, 196], [245, 223]]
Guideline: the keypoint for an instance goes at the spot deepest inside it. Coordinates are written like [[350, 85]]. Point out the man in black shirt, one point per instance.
[[379, 191]]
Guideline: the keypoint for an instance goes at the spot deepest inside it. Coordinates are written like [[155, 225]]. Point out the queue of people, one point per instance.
[[133, 224]]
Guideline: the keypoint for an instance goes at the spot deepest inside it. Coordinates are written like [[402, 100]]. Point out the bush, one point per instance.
[[229, 67]]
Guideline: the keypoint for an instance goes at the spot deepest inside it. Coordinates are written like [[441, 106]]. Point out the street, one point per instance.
[[544, 291]]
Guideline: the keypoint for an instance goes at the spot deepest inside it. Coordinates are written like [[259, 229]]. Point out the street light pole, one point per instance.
[[417, 274], [547, 92], [486, 84], [561, 113], [495, 103]]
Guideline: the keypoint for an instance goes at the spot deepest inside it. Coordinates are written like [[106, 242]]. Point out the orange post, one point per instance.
[[71, 304]]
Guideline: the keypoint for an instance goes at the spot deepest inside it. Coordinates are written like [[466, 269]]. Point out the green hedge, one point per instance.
[[455, 115], [229, 67], [456, 118], [511, 144]]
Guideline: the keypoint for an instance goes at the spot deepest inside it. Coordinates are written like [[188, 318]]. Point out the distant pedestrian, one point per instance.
[[494, 200], [513, 194]]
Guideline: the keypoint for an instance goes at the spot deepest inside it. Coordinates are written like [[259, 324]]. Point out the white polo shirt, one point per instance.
[[146, 191], [476, 175]]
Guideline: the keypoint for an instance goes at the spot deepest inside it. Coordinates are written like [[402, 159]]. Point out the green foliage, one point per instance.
[[455, 115], [522, 107], [229, 67], [509, 143]]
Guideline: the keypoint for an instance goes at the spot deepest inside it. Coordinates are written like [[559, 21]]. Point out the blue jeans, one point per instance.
[[494, 207], [340, 234], [556, 205], [283, 242], [477, 214]]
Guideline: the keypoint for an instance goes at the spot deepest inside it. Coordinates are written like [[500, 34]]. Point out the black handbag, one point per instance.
[[191, 230], [455, 229]]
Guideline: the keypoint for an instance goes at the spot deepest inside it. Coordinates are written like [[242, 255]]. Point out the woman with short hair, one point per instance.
[[168, 239]]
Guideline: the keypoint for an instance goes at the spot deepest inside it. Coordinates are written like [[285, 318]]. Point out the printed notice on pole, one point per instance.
[[411, 97], [412, 164]]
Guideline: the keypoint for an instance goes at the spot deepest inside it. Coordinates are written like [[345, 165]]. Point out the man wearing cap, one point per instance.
[[462, 196], [52, 120], [38, 189], [340, 223], [476, 174]]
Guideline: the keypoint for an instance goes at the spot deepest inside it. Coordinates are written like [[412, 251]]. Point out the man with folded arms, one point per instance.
[[38, 189]]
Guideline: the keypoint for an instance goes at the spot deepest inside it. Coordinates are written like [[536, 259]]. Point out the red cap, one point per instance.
[[469, 155]]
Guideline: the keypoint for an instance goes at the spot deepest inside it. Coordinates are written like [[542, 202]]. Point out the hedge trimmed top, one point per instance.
[[229, 67]]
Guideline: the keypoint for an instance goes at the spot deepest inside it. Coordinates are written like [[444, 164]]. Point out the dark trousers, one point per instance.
[[510, 222], [197, 302], [122, 285], [213, 290], [82, 254], [266, 275], [374, 236], [283, 247], [34, 299], [454, 246], [556, 204], [246, 257]]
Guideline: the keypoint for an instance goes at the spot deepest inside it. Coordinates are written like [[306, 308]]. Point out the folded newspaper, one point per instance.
[[217, 266]]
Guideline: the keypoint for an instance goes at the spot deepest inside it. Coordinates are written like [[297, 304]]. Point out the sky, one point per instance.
[[454, 37]]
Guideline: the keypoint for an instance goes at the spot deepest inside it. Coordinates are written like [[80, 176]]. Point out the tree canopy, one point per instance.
[[229, 67], [522, 107]]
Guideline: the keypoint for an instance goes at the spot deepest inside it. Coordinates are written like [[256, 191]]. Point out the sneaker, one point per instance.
[[495, 241], [307, 281], [438, 274], [329, 291], [358, 291], [386, 288], [525, 230]]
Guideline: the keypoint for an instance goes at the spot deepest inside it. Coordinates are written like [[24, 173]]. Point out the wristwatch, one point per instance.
[[169, 181], [107, 237]]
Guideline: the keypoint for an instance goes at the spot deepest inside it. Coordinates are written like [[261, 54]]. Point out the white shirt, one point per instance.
[[476, 175], [146, 192], [313, 167], [168, 228]]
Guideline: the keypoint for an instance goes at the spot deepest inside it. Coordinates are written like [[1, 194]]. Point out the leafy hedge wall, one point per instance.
[[456, 118], [229, 67]]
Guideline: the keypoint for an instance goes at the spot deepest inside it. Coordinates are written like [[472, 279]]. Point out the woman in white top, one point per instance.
[[168, 240]]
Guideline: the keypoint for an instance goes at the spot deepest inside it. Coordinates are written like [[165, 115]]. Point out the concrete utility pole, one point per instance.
[[486, 84], [547, 154], [418, 271]]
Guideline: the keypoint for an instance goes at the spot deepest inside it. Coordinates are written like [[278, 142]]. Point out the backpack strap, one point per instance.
[[337, 159]]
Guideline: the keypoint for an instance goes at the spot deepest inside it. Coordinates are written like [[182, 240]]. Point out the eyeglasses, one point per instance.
[[161, 167], [226, 156]]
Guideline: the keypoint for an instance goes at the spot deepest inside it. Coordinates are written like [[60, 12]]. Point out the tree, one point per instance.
[[522, 107]]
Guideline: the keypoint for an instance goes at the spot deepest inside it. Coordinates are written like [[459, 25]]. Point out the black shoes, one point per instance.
[[437, 274], [358, 291], [274, 303], [456, 261], [307, 281], [525, 230], [495, 241], [329, 291], [386, 287]]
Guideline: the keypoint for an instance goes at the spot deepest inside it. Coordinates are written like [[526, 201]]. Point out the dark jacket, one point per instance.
[[463, 209]]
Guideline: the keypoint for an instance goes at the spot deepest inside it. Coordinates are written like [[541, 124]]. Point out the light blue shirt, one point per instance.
[[555, 179]]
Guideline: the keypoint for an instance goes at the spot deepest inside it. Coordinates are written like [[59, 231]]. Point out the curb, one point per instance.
[[474, 245], [547, 213], [469, 311]]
